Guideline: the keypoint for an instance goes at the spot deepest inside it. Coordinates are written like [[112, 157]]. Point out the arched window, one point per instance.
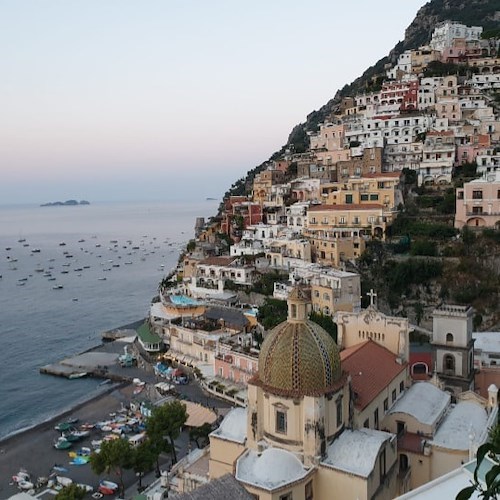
[[449, 337], [449, 363]]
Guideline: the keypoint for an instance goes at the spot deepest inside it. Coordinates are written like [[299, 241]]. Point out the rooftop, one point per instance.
[[356, 451], [487, 341], [234, 426], [147, 336], [223, 487], [273, 469], [466, 420], [372, 368], [423, 401]]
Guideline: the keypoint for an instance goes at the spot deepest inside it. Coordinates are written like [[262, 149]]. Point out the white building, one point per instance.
[[447, 31]]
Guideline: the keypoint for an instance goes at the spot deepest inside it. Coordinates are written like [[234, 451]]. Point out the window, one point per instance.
[[394, 395], [309, 493], [286, 496], [401, 387], [348, 198], [449, 363], [339, 412], [386, 405], [364, 197], [374, 197], [477, 195], [382, 466], [375, 418], [366, 424], [477, 210], [280, 422], [449, 337]]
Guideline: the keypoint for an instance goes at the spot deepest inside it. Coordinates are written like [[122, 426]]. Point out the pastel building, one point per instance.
[[478, 202]]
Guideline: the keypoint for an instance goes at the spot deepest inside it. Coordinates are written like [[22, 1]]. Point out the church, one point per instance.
[[326, 420], [297, 439]]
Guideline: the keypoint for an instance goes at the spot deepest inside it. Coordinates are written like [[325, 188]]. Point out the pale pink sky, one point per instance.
[[128, 100]]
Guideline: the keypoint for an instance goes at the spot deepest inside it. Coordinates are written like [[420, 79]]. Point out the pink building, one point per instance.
[[233, 363], [478, 202], [467, 153]]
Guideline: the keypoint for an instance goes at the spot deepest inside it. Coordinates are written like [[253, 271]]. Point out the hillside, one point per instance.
[[485, 13], [425, 260]]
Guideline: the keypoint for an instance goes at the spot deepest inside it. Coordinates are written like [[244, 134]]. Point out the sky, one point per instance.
[[118, 100]]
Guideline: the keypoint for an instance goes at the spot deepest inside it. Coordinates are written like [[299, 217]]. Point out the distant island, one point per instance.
[[66, 203]]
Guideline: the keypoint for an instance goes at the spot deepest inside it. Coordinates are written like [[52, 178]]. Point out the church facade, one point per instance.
[[296, 438]]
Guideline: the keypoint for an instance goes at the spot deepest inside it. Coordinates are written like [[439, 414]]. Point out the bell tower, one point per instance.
[[454, 346]]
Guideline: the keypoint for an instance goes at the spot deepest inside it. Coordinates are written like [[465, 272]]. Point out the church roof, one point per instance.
[[234, 426], [466, 419], [372, 368], [356, 451], [424, 402], [272, 469], [299, 358]]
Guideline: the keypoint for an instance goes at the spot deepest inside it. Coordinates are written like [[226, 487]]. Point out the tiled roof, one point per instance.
[[352, 206], [217, 261], [224, 487], [372, 368]]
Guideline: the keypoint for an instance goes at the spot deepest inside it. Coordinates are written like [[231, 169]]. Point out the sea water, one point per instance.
[[108, 258]]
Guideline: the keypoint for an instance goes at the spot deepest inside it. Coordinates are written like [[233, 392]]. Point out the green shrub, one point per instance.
[[424, 247]]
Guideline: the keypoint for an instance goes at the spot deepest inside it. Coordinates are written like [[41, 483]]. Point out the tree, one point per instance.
[[164, 426], [144, 460], [115, 456], [200, 434], [490, 489], [71, 492]]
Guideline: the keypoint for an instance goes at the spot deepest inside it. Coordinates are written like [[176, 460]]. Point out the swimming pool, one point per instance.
[[183, 300]]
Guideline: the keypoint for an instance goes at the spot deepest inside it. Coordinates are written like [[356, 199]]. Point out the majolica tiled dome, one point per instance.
[[298, 357]]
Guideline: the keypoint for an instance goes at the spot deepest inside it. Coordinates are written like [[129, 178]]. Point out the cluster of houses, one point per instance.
[[368, 416]]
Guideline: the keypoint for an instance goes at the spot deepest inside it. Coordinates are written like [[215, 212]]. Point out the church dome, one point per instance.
[[299, 358]]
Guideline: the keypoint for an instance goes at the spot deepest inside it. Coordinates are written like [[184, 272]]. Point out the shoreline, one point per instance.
[[65, 412], [33, 450]]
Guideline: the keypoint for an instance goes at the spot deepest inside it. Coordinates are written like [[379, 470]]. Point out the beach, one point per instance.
[[33, 449]]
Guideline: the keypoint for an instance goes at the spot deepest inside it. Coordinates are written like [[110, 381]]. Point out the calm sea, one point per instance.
[[132, 245]]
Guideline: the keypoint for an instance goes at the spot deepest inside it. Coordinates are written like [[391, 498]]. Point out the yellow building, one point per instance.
[[295, 439], [263, 183], [368, 219], [383, 188]]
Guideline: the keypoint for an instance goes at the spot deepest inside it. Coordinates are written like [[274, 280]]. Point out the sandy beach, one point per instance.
[[33, 449]]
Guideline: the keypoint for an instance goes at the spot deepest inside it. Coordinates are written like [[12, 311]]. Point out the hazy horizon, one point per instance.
[[120, 100]]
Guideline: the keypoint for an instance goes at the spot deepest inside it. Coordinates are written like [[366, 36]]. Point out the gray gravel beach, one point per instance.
[[33, 449]]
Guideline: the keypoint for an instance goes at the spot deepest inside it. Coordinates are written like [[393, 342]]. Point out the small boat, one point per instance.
[[63, 444], [21, 283], [62, 244], [51, 279], [81, 240], [86, 487], [107, 488], [8, 249], [75, 299], [36, 250], [101, 279], [25, 485], [64, 481], [59, 468], [57, 287], [78, 375]]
